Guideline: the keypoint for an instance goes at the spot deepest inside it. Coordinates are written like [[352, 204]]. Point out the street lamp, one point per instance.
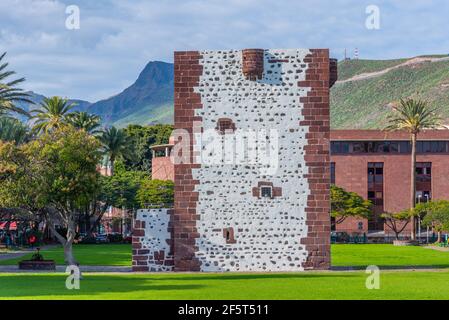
[[419, 220], [427, 200]]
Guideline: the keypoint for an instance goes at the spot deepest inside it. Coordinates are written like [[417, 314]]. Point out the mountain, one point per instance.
[[361, 98], [366, 89], [148, 100]]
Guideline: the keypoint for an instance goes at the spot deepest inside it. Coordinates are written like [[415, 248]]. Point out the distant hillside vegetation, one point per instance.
[[365, 102], [350, 68], [148, 100]]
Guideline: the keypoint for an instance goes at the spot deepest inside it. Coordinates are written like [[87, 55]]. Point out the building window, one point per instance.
[[225, 125], [332, 172], [423, 181], [375, 195], [391, 147], [266, 192]]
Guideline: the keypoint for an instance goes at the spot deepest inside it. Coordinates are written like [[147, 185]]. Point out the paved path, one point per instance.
[[444, 249], [14, 254], [122, 270], [95, 269], [21, 253], [393, 268]]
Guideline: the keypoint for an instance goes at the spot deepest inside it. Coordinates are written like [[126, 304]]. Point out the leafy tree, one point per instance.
[[53, 177], [398, 221], [413, 116], [157, 193], [436, 215], [346, 204], [85, 121], [9, 93], [124, 186], [115, 143], [141, 139], [53, 114], [13, 130]]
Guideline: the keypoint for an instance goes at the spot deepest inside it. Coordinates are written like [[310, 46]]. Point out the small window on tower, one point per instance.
[[266, 192], [228, 234], [225, 125]]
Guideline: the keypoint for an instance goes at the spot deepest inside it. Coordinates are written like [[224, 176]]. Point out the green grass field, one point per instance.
[[310, 285], [387, 255], [323, 285], [347, 255], [87, 254]]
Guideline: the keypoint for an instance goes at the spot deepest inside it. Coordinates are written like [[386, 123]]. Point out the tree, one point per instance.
[[9, 93], [346, 204], [53, 177], [413, 116], [114, 143], [85, 121], [436, 215], [157, 193], [141, 139], [13, 130], [398, 221], [53, 114], [119, 190]]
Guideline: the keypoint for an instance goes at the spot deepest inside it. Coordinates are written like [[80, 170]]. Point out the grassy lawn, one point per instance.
[[324, 285], [355, 255], [310, 285], [386, 255], [87, 254]]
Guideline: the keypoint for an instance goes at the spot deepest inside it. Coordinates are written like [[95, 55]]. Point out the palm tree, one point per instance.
[[115, 143], [413, 116], [85, 121], [13, 130], [53, 113], [9, 93]]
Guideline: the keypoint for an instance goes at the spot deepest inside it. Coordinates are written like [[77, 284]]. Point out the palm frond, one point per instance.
[[9, 93], [413, 116]]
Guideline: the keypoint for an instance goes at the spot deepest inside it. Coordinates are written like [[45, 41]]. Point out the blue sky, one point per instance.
[[117, 38]]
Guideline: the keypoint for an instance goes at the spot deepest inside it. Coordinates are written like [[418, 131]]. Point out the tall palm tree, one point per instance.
[[413, 116], [85, 121], [53, 113], [115, 143], [9, 93], [13, 130]]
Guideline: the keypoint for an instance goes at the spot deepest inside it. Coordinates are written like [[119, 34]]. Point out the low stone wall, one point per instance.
[[152, 243]]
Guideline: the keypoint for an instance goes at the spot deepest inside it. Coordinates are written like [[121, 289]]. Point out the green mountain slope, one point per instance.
[[149, 114], [365, 103], [144, 101], [350, 68]]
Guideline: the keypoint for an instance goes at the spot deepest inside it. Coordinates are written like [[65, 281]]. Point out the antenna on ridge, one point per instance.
[[356, 54]]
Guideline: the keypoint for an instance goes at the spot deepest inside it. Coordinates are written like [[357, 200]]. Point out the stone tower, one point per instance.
[[234, 216]]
